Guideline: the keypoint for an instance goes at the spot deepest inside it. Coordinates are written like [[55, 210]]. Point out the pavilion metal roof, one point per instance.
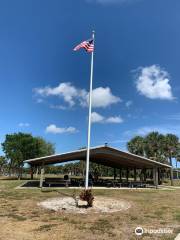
[[104, 155]]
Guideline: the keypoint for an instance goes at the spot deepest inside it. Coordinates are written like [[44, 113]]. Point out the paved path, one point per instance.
[[105, 188], [166, 186]]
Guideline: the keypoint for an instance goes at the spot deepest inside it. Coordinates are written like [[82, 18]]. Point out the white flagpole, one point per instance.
[[89, 120]]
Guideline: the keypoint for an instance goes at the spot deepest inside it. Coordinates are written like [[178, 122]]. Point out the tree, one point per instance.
[[43, 148], [154, 146], [136, 145], [171, 146], [178, 154], [22, 146], [2, 163]]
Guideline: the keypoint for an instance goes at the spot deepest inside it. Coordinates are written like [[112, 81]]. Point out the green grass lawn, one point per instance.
[[176, 182], [22, 219]]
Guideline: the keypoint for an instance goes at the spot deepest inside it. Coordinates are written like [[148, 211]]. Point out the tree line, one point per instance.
[[20, 146], [78, 169], [156, 146]]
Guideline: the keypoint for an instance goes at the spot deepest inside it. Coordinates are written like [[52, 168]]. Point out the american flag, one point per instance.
[[88, 45]]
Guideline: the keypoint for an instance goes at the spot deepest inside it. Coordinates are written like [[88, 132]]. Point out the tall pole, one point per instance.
[[89, 119]]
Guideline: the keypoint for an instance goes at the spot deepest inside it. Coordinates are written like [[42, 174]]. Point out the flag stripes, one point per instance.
[[88, 45]]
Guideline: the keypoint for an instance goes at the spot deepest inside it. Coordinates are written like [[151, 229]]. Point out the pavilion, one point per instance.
[[107, 156]]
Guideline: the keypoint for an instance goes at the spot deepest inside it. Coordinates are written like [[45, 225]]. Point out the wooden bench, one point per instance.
[[57, 181]]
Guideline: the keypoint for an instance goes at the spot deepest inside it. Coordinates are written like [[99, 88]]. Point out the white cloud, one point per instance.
[[153, 82], [59, 107], [97, 118], [128, 103], [144, 130], [101, 97], [164, 129], [52, 128], [64, 90], [23, 124], [147, 129], [114, 120]]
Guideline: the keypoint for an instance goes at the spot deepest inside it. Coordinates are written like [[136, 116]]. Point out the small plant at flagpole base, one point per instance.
[[87, 195]]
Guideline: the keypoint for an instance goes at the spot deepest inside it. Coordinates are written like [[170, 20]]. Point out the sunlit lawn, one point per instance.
[[22, 219]]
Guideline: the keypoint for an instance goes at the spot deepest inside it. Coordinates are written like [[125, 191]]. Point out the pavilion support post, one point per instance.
[[162, 175], [171, 176], [120, 174], [155, 177], [177, 174], [36, 172], [42, 176], [144, 170], [31, 172], [135, 174], [127, 174], [159, 176], [114, 173]]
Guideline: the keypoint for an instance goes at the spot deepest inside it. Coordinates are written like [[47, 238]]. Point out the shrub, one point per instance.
[[86, 195]]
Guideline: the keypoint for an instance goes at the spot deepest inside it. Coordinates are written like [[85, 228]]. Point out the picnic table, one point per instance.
[[57, 181]]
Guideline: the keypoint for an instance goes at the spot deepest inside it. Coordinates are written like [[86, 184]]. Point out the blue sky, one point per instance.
[[44, 84]]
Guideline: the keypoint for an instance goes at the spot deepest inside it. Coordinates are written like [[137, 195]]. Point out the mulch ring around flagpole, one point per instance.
[[100, 205]]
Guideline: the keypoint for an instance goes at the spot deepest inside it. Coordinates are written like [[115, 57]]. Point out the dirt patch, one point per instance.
[[101, 205]]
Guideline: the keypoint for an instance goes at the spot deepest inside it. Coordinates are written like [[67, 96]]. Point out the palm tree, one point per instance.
[[136, 146], [171, 149], [154, 143], [178, 154], [171, 146], [82, 167]]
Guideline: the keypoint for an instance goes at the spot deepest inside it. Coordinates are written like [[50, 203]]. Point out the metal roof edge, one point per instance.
[[147, 159], [97, 147]]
